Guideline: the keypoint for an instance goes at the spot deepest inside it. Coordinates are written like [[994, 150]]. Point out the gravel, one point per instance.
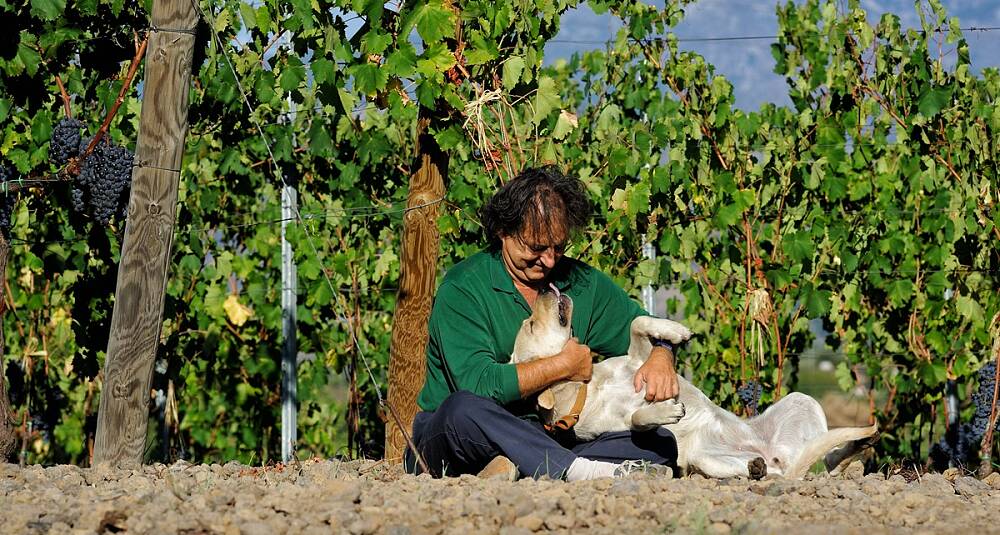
[[361, 497]]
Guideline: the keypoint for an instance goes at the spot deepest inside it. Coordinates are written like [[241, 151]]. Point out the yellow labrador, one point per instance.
[[786, 439]]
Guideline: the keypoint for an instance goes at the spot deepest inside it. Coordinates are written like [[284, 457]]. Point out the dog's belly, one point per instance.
[[611, 398]]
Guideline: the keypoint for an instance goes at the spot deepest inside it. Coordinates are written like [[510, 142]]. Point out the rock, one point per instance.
[[935, 484], [719, 527], [970, 486], [855, 471], [529, 522], [514, 530], [255, 528], [951, 474], [993, 480]]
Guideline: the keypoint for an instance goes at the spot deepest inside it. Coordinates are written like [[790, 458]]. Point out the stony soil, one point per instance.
[[370, 497]]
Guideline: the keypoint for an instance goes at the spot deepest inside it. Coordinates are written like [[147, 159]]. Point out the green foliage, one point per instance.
[[869, 203]]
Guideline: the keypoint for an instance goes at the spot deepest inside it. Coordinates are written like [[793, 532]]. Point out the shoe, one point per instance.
[[499, 468], [628, 469]]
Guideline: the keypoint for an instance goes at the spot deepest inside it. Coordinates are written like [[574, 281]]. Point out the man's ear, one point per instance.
[[547, 399]]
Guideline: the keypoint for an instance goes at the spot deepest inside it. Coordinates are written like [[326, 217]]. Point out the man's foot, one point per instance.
[[633, 468], [499, 468]]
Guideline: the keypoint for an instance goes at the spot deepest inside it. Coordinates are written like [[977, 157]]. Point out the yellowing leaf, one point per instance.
[[565, 124], [238, 313]]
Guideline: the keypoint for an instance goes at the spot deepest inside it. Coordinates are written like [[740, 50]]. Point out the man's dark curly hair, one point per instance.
[[536, 201]]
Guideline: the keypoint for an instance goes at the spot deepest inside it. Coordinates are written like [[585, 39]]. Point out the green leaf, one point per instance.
[[323, 70], [546, 99], [845, 379], [933, 100], [368, 77], [47, 9], [433, 21], [402, 62], [435, 60], [512, 68], [375, 42], [608, 122], [797, 246], [291, 76], [968, 307], [41, 127]]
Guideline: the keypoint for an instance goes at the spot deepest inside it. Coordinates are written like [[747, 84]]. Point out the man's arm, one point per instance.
[[573, 363]]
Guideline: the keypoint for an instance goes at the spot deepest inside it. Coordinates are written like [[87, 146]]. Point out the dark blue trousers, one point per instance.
[[468, 431]]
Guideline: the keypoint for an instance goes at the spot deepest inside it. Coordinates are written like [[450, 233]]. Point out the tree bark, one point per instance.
[[8, 438], [418, 273]]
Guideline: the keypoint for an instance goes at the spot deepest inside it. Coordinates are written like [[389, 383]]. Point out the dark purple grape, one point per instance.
[[65, 141]]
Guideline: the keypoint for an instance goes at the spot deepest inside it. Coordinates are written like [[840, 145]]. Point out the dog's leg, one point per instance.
[[665, 412], [645, 327], [721, 465]]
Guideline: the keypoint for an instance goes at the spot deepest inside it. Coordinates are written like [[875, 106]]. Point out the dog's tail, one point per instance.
[[818, 447]]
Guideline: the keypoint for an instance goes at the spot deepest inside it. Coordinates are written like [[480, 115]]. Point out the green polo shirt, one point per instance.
[[477, 313]]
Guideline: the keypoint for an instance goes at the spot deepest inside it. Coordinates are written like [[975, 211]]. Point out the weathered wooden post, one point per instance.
[[7, 423], [416, 286], [142, 271]]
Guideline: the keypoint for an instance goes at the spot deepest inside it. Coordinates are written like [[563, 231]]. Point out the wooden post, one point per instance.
[[416, 286], [8, 440], [142, 272]]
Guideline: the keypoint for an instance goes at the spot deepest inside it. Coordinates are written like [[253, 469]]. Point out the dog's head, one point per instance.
[[547, 330]]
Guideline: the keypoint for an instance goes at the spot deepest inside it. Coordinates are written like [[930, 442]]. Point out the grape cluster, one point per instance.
[[102, 187], [6, 199], [749, 393], [962, 443], [65, 141]]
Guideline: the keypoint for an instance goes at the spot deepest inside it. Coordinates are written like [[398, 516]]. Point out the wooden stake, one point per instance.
[[416, 286], [142, 273]]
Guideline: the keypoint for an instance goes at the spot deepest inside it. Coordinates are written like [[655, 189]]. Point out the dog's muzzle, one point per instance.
[[564, 307]]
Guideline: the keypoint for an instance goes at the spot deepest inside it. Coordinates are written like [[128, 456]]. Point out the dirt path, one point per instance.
[[368, 497]]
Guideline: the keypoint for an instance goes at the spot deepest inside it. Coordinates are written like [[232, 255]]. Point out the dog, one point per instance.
[[785, 440]]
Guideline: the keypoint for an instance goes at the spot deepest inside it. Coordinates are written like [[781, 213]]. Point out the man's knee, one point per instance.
[[465, 407], [659, 441]]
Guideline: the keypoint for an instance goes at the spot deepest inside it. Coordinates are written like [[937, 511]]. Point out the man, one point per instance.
[[473, 396]]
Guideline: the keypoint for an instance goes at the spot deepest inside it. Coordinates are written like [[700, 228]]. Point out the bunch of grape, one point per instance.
[[101, 189], [961, 444], [983, 398], [65, 141], [749, 393]]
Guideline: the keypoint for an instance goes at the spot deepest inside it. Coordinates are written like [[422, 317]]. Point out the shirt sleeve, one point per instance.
[[611, 319], [459, 334]]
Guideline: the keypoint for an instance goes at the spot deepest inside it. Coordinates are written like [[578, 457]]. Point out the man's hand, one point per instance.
[[573, 363], [658, 375], [578, 359]]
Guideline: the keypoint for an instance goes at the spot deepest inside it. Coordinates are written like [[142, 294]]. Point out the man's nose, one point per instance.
[[548, 257]]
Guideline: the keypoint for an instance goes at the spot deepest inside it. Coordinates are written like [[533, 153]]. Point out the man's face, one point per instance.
[[530, 256]]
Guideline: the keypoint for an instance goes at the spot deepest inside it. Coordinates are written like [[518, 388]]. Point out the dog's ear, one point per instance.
[[547, 400]]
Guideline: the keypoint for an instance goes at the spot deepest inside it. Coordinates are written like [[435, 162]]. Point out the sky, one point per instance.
[[748, 64]]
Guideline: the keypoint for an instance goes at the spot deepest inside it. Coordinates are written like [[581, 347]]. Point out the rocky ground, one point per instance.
[[371, 497]]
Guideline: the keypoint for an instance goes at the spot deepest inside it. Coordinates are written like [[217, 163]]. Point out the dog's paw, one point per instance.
[[665, 412], [757, 468], [663, 329], [673, 411]]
